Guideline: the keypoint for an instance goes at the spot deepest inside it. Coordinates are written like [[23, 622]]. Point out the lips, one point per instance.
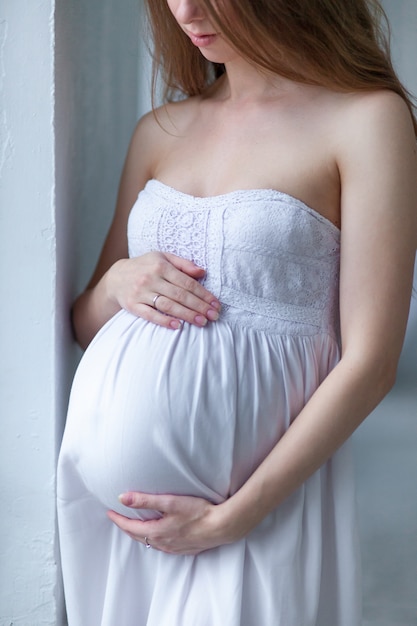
[[202, 40]]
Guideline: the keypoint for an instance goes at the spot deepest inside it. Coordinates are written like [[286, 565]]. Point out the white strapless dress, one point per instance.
[[195, 411]]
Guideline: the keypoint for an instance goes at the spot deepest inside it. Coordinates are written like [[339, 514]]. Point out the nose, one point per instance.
[[188, 11]]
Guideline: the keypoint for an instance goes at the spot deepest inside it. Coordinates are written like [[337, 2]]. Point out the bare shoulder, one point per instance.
[[377, 161], [157, 130], [381, 102], [373, 121], [376, 153], [143, 145], [168, 119]]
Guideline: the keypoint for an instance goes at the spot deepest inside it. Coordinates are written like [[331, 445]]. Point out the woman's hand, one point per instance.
[[188, 525], [134, 284]]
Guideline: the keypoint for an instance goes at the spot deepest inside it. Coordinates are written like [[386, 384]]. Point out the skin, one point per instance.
[[351, 157]]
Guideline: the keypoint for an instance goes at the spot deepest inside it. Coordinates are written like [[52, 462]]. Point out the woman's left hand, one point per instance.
[[188, 525]]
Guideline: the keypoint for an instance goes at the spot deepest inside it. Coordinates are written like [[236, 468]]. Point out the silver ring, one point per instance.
[[148, 545], [154, 301]]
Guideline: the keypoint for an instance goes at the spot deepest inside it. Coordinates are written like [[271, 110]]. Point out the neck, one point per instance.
[[244, 82]]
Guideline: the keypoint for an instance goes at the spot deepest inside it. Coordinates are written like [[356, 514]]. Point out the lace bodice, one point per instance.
[[271, 260]]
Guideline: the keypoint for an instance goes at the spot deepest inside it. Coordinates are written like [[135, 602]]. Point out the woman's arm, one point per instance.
[[378, 167], [119, 282]]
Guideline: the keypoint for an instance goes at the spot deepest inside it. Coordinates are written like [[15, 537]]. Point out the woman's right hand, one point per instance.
[[134, 283]]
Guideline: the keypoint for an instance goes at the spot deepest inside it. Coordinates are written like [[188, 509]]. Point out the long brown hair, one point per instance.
[[338, 44]]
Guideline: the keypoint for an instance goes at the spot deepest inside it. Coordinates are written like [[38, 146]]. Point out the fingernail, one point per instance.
[[212, 315], [175, 324], [125, 498], [200, 320], [215, 305]]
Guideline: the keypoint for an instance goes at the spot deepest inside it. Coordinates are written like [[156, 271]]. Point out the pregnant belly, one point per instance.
[[188, 412]]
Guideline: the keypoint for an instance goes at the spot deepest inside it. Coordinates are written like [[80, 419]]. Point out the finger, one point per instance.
[[176, 302], [180, 296], [181, 288], [160, 533], [184, 265], [177, 278], [144, 532], [139, 500], [136, 529], [185, 307], [155, 316], [172, 317]]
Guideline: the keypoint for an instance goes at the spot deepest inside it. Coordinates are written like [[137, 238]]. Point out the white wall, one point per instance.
[[68, 100], [28, 368]]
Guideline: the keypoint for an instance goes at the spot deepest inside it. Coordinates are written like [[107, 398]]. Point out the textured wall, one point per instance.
[[28, 570]]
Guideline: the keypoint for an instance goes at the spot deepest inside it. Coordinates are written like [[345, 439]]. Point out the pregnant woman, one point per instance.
[[246, 314]]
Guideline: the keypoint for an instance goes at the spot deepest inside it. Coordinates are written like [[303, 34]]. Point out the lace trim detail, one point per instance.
[[235, 197], [275, 325], [184, 233]]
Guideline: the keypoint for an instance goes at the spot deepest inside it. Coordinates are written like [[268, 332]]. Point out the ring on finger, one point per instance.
[[147, 544], [158, 295]]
